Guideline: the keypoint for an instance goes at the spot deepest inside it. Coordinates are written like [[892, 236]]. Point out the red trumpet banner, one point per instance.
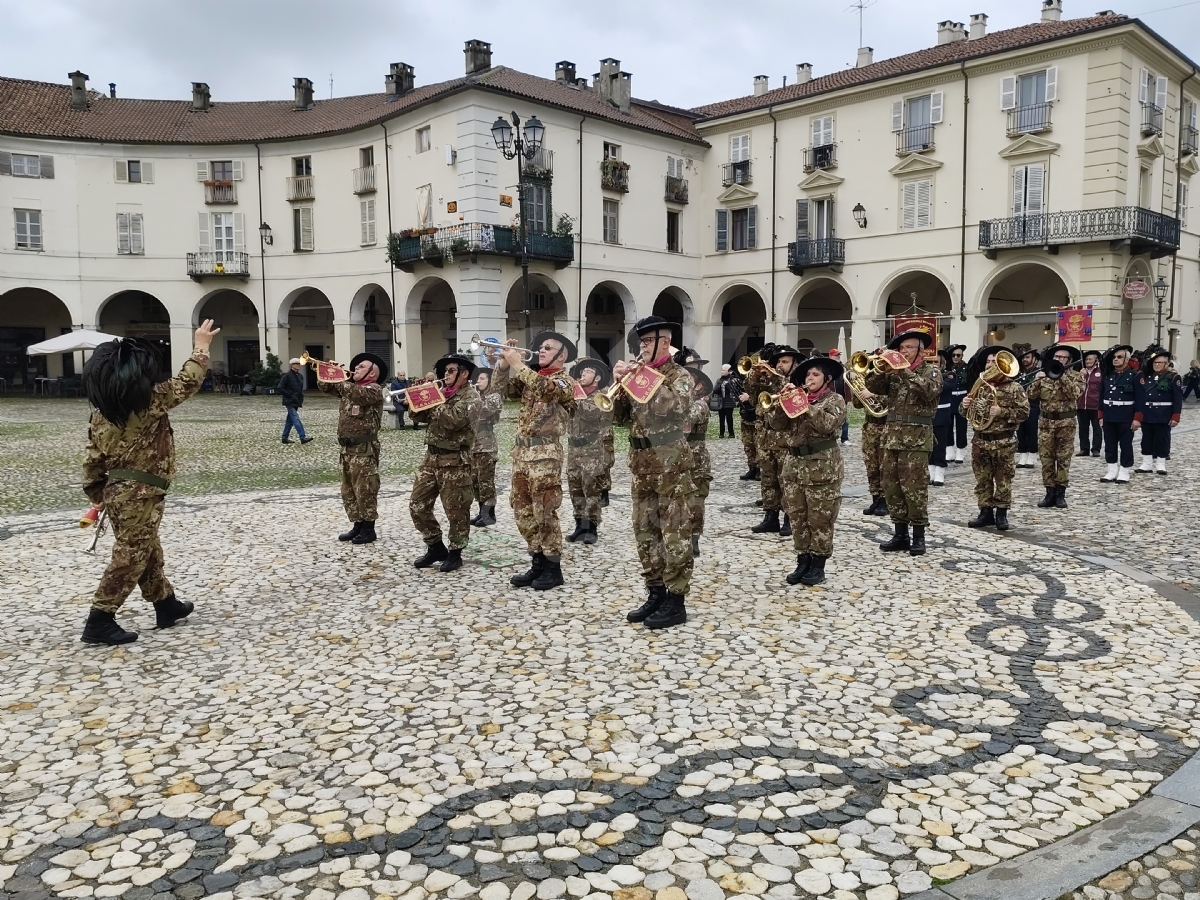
[[793, 402], [580, 393], [330, 373], [925, 324], [642, 383], [1074, 325], [423, 397]]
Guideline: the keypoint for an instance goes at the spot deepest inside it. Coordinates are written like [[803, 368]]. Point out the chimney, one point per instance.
[[112, 89], [803, 73], [949, 32], [399, 80], [479, 56], [762, 84], [603, 80], [622, 91], [1051, 10], [564, 73], [978, 26], [79, 97], [866, 56], [201, 99], [304, 93]]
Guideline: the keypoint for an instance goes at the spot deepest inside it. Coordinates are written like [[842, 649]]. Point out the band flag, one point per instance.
[[1074, 325], [580, 393], [424, 396], [925, 324]]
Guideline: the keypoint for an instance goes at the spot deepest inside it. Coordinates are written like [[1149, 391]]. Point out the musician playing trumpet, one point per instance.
[[993, 446], [1057, 389]]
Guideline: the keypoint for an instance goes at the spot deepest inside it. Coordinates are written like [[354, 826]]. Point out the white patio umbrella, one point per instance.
[[83, 339], [842, 346]]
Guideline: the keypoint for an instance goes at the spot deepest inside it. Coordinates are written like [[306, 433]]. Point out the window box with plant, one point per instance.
[[614, 175]]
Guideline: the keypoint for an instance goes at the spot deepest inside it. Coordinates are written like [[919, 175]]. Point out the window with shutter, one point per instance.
[[5, 162], [122, 232], [801, 220], [202, 170], [120, 171], [239, 232], [204, 234], [897, 115], [739, 148], [1193, 114], [751, 227], [147, 172], [935, 108], [237, 169], [1160, 92], [822, 131], [924, 204], [137, 243], [611, 221], [916, 205], [302, 228], [26, 166], [133, 170], [1052, 84], [1008, 92], [1181, 207], [722, 230], [366, 216]]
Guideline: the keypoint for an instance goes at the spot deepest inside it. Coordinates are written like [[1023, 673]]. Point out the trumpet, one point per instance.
[[480, 345], [439, 383], [755, 361], [314, 362], [877, 363], [767, 400], [980, 414], [604, 399]]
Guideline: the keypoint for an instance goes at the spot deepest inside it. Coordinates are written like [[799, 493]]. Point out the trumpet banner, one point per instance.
[[793, 403], [424, 396], [580, 393], [1074, 325], [926, 324], [330, 373], [642, 383]]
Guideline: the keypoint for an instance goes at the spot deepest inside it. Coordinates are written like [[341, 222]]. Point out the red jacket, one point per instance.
[[1090, 398]]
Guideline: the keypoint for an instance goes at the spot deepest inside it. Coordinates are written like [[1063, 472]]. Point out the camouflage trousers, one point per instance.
[[453, 485], [1056, 446], [813, 509], [872, 454], [662, 529], [904, 476], [770, 462], [483, 478], [749, 443], [137, 556], [360, 481], [586, 477], [995, 466], [536, 496], [696, 501]]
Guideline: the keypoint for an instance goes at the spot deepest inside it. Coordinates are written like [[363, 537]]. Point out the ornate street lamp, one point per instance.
[[264, 232], [860, 215], [1160, 294], [521, 144]]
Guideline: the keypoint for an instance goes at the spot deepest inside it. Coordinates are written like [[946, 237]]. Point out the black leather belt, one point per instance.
[[655, 440], [535, 441], [583, 441], [875, 420], [138, 475], [996, 435], [354, 442], [1065, 414], [902, 419], [810, 449], [696, 436], [444, 450]]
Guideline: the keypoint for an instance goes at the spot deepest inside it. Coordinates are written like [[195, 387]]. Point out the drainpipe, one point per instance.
[[262, 256], [387, 176], [579, 259], [774, 169], [962, 237], [1178, 173]]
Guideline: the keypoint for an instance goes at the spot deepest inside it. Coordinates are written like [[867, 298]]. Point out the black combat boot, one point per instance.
[[452, 561], [589, 536], [101, 628], [870, 510], [478, 516], [604, 498], [352, 533], [581, 526], [1048, 501], [769, 524], [985, 518], [670, 612], [434, 553], [551, 576], [899, 539], [750, 473], [657, 593], [785, 530], [816, 571], [525, 579], [1060, 496], [881, 509], [1001, 519], [168, 611], [803, 561], [695, 545], [366, 534], [487, 516], [918, 541]]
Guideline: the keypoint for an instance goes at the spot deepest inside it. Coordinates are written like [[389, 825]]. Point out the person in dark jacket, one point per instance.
[[1088, 412], [957, 451], [291, 386], [726, 392], [1159, 403], [943, 421], [1117, 401], [1027, 431], [1191, 381], [399, 383]]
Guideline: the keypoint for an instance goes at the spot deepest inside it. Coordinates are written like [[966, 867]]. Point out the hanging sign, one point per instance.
[[1075, 323]]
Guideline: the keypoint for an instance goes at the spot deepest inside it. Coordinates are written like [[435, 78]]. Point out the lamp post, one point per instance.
[[1160, 294], [264, 237], [521, 144]]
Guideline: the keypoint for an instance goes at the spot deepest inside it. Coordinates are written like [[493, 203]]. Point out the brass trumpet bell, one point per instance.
[[746, 363], [766, 401], [478, 345], [604, 399]]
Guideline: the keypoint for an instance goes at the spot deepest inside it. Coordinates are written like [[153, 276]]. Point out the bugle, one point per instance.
[[792, 400], [979, 414], [877, 363], [604, 399], [755, 361], [328, 372], [479, 345]]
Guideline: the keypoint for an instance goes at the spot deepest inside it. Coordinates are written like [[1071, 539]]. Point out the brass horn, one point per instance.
[[479, 345], [979, 414], [746, 363], [872, 405]]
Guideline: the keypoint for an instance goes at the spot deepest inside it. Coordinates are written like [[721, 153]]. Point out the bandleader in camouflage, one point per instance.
[[994, 449], [872, 456], [360, 412], [1058, 387], [484, 452], [589, 450]]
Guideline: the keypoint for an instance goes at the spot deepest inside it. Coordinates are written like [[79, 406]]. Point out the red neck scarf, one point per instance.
[[813, 398], [916, 363], [660, 361], [450, 392], [550, 370], [591, 389]]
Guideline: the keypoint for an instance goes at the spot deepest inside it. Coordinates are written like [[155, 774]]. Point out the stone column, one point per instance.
[[348, 340], [181, 344], [479, 302]]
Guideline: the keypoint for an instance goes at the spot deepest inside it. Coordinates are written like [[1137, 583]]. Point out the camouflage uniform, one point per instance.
[[360, 412], [702, 470], [484, 415], [589, 458], [993, 451], [812, 471], [750, 442], [770, 444], [1056, 424], [872, 449], [446, 470], [129, 470], [907, 439], [547, 402], [660, 459]]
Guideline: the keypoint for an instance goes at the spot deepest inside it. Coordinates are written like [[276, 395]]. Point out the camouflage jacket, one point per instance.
[[822, 424], [547, 402], [360, 410], [757, 381], [449, 436], [484, 415], [911, 393], [697, 438], [145, 444], [591, 429], [657, 430], [1014, 409], [1059, 395]]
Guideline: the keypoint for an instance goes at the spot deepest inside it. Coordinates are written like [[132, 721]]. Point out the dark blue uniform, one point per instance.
[[1159, 400], [1118, 396], [960, 421], [943, 420]]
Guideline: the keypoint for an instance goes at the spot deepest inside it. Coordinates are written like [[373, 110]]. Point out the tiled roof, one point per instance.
[[40, 109], [932, 57]]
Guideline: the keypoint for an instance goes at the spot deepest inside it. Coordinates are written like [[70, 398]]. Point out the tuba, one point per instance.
[[979, 414]]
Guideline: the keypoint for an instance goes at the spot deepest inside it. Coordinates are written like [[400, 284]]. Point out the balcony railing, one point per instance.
[[1029, 119], [1146, 231], [233, 263], [220, 192], [300, 187], [822, 157], [1190, 145], [735, 173], [916, 139], [364, 180], [819, 254], [541, 166], [676, 189], [614, 175], [470, 239], [1152, 119]]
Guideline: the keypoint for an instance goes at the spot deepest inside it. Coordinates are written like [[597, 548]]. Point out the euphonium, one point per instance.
[[980, 414], [872, 405]]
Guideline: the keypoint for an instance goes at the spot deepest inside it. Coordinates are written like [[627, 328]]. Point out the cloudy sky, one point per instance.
[[680, 53]]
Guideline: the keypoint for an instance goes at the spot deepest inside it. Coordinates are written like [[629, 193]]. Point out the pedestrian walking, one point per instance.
[[291, 386], [400, 404]]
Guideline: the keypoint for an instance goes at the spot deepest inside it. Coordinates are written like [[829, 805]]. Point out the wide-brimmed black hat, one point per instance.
[[554, 336], [944, 356], [601, 370], [700, 379], [464, 362], [379, 364], [654, 323], [781, 350], [979, 362], [923, 336], [831, 367], [1076, 353], [689, 357], [1155, 352]]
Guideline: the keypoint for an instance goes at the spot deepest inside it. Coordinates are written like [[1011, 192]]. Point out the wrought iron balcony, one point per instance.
[[735, 173], [676, 189], [822, 157], [1189, 145], [614, 175], [300, 187], [364, 180], [916, 139], [541, 166], [220, 192], [826, 253], [1032, 119], [471, 239], [219, 263], [1144, 230], [1152, 119]]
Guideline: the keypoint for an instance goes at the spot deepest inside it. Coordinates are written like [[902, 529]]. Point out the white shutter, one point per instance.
[[1194, 108], [1008, 92], [739, 148], [801, 220], [122, 232], [924, 204], [897, 115], [237, 170], [205, 234], [751, 227], [366, 211], [722, 230], [202, 170], [822, 131], [1035, 189], [908, 206], [120, 171], [147, 172], [239, 232], [46, 167], [1052, 84], [1160, 92], [137, 242], [1142, 89], [1181, 211], [306, 228], [935, 108], [1018, 204]]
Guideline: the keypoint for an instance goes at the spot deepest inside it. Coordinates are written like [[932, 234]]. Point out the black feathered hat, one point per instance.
[[464, 362], [831, 367], [699, 379], [689, 357], [923, 336], [380, 365], [120, 376], [601, 370], [781, 350], [558, 336], [1076, 353], [654, 323]]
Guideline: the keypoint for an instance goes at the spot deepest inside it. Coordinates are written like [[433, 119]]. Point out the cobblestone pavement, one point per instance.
[[335, 724]]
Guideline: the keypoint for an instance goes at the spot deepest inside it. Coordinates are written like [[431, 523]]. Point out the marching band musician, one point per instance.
[[912, 393], [587, 455], [872, 454], [547, 400], [1118, 396], [1027, 431], [772, 446], [660, 460], [446, 471], [1159, 404], [958, 364], [752, 385], [812, 469], [1058, 399], [698, 439], [993, 451], [360, 413], [943, 422], [484, 452]]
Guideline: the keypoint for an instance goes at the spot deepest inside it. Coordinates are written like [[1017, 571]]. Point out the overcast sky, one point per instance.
[[684, 54]]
